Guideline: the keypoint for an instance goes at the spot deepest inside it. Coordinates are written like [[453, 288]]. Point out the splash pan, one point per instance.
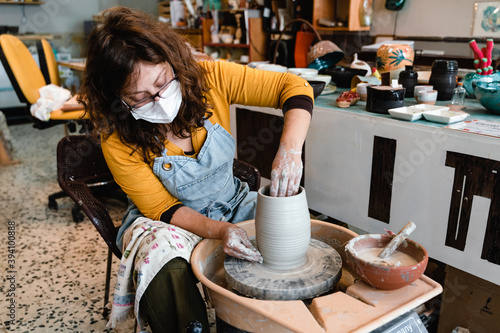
[[352, 307]]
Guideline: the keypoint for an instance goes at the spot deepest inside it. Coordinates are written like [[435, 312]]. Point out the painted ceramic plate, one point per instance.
[[414, 112], [445, 116], [329, 89]]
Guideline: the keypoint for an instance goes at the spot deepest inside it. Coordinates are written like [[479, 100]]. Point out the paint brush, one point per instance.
[[397, 240]]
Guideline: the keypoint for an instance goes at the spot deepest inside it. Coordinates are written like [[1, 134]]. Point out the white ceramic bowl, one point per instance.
[[272, 68], [319, 77], [445, 116], [414, 112], [226, 38], [303, 71]]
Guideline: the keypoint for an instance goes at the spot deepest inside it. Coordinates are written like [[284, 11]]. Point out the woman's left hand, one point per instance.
[[237, 244], [286, 172]]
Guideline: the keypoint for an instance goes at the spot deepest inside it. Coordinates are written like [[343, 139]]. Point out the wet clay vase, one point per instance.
[[393, 58], [444, 78], [283, 229]]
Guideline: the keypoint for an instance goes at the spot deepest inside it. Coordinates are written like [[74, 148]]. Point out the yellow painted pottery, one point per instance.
[[393, 58]]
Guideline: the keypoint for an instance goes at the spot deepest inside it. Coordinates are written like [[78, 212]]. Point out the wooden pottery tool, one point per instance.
[[397, 240]]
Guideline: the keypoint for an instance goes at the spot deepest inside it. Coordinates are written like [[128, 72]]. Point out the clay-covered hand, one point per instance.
[[237, 244], [286, 172]]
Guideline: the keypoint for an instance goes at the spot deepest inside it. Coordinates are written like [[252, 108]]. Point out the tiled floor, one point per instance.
[[58, 266]]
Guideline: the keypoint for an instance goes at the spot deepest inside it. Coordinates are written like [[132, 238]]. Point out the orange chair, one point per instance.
[[27, 78], [48, 63]]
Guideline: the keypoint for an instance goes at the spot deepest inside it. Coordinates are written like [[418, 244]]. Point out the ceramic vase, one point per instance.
[[283, 229], [444, 78], [409, 79], [393, 58]]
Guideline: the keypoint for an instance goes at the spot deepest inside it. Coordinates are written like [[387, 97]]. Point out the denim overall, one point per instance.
[[205, 183]]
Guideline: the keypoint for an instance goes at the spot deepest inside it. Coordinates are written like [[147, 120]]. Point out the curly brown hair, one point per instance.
[[124, 38]]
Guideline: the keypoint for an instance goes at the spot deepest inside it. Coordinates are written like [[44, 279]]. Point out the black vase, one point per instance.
[[409, 79], [444, 78]]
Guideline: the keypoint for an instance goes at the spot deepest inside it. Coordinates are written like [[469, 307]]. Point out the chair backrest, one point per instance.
[[80, 161], [247, 173], [22, 69], [48, 62]]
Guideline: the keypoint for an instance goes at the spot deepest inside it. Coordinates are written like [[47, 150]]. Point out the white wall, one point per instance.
[[434, 18], [63, 16]]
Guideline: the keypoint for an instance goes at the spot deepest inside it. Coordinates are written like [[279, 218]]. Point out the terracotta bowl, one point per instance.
[[383, 276]]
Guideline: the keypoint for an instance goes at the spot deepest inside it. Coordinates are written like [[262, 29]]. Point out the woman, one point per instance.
[[163, 119]]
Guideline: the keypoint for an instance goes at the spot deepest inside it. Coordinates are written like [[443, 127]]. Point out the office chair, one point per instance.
[[81, 165], [48, 63], [27, 78]]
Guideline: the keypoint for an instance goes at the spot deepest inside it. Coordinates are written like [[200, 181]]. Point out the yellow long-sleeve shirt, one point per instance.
[[229, 84]]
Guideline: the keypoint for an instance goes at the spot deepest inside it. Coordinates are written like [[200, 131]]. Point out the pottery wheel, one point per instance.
[[320, 272]]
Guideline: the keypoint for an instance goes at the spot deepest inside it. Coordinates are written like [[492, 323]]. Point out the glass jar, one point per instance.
[[458, 97], [365, 13]]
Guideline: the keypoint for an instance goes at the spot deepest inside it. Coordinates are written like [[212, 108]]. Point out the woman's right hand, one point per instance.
[[237, 244]]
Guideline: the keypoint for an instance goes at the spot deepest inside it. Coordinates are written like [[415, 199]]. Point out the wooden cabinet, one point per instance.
[[194, 36], [346, 11], [254, 43]]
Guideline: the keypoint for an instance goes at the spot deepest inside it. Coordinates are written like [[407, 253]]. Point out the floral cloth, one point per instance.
[[149, 245]]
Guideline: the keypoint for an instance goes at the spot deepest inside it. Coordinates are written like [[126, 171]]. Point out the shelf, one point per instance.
[[4, 2], [345, 11], [256, 49], [35, 36], [321, 28], [241, 46]]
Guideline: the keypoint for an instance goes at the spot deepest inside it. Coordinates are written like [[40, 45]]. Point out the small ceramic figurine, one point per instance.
[[238, 33]]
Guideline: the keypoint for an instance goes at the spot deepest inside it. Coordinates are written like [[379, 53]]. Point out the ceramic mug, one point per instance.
[[418, 88], [361, 89], [427, 97]]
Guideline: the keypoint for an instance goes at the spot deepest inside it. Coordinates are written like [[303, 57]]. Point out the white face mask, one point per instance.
[[165, 109]]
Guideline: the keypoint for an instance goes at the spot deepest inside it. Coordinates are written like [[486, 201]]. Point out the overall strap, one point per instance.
[[207, 124]]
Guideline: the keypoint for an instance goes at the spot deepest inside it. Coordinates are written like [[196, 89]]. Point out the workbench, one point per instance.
[[375, 172]]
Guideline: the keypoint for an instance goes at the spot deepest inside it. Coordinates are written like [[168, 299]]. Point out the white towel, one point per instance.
[[52, 97]]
